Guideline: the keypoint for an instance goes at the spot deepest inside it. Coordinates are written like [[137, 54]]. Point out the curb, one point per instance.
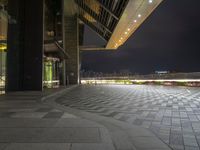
[[58, 93]]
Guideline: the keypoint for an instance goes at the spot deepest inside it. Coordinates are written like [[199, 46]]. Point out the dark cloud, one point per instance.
[[168, 40]]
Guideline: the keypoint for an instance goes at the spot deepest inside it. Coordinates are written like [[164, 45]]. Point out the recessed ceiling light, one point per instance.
[[150, 1]]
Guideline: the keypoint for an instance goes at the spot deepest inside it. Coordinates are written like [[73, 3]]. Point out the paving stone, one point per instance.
[[6, 114], [191, 148], [43, 109], [164, 137], [67, 115], [166, 121], [3, 145], [38, 146], [177, 147], [84, 146], [148, 143], [190, 141], [25, 123], [54, 115], [29, 115], [74, 122], [49, 135], [176, 139], [196, 125]]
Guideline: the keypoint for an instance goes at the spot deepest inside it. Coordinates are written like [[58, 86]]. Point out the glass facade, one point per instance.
[[52, 35], [3, 44], [51, 62], [51, 72]]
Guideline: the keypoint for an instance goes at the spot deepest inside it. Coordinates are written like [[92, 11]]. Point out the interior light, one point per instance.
[[135, 21], [126, 32], [139, 15], [129, 29]]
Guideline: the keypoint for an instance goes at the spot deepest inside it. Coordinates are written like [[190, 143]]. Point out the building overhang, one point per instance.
[[113, 20], [53, 48], [135, 13]]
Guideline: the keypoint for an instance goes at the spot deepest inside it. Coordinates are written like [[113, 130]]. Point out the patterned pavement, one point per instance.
[[21, 105], [27, 123], [172, 113]]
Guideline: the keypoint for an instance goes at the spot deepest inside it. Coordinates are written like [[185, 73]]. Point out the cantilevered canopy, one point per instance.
[[115, 20]]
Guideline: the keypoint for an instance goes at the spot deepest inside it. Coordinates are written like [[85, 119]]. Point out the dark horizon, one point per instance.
[[167, 40]]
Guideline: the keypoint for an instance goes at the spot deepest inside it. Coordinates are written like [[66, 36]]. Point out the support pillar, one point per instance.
[[71, 41], [25, 45]]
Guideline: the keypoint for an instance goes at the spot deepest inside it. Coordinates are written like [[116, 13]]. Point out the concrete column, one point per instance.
[[63, 74], [71, 42], [25, 45]]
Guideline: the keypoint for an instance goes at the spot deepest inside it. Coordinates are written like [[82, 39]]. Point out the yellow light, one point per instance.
[[3, 47], [129, 29], [121, 38], [126, 32], [139, 15]]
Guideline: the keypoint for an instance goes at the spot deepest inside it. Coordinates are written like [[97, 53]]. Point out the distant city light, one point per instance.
[[128, 29], [139, 15], [127, 81], [135, 20], [126, 32]]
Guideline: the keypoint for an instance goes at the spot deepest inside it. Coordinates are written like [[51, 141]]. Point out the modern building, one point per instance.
[[41, 40]]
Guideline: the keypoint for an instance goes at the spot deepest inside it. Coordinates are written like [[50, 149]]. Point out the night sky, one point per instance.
[[168, 40]]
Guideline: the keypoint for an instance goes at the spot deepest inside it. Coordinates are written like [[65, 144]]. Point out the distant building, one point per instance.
[[162, 72]]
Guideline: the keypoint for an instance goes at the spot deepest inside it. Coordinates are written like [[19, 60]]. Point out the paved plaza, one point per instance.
[[35, 121], [28, 124], [102, 117], [171, 113]]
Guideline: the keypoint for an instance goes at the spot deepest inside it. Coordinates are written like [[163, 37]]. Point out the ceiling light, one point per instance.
[[150, 1]]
